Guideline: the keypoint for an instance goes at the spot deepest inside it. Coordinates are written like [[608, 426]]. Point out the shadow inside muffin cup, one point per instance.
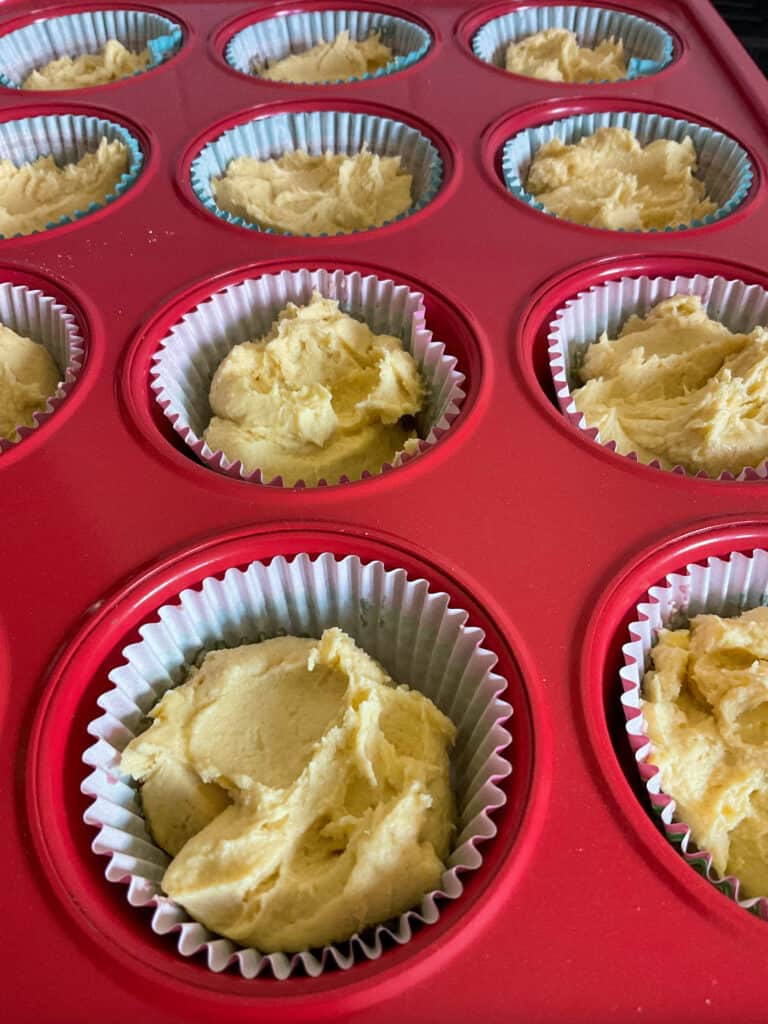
[[605, 308], [648, 47], [265, 42], [726, 586], [67, 138], [318, 132], [723, 166], [411, 630], [187, 358], [30, 48]]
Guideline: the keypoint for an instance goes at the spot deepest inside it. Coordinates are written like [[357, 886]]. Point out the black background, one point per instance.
[[749, 20]]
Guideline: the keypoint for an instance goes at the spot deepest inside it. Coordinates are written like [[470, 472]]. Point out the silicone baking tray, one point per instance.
[[581, 910]]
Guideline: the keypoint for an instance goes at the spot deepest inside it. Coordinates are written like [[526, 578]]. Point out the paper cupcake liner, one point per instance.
[[726, 587], [723, 165], [265, 42], [72, 35], [30, 313], [417, 637], [607, 307], [317, 132], [186, 360], [648, 46], [67, 138]]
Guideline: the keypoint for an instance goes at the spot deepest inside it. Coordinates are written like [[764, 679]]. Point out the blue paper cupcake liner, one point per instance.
[[186, 361], [264, 42], [67, 138], [418, 635], [72, 35], [30, 313], [723, 165], [317, 132], [648, 46], [606, 308], [725, 586]]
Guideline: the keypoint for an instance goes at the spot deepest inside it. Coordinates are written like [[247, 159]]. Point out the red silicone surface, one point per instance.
[[581, 911]]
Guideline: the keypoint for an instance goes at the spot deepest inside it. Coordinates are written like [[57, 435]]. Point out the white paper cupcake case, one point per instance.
[[647, 45], [186, 360], [317, 132], [47, 39], [607, 307], [724, 586], [723, 165], [417, 637], [30, 313], [67, 138], [265, 42]]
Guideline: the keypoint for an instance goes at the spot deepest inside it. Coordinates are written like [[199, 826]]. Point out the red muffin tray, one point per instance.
[[581, 911]]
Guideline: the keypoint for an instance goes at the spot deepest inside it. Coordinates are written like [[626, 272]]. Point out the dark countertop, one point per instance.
[[749, 20]]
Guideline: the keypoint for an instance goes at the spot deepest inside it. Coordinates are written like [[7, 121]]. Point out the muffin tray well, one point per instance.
[[580, 909]]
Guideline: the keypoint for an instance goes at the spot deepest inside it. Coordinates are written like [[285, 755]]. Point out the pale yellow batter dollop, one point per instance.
[[331, 62], [40, 193], [608, 180], [315, 195], [28, 378], [114, 62], [318, 397], [681, 388], [706, 707], [302, 793], [555, 55]]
